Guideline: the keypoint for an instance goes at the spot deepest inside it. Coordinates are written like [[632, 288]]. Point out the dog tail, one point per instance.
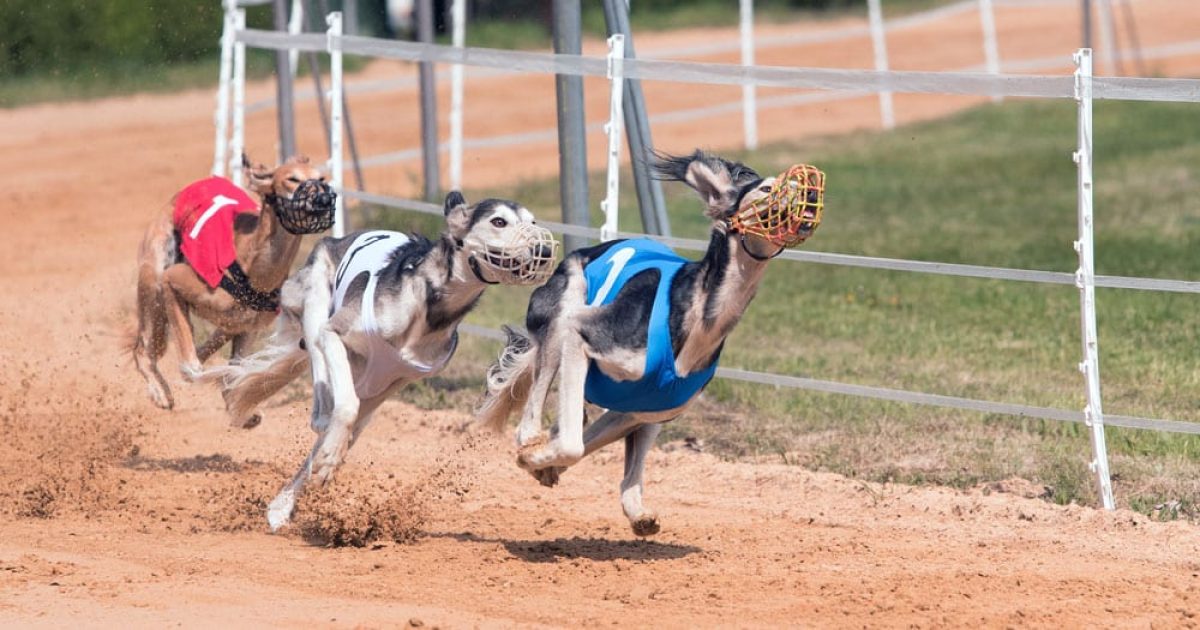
[[253, 379], [508, 380]]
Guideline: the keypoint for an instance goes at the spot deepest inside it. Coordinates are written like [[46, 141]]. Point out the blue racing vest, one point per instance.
[[660, 388]]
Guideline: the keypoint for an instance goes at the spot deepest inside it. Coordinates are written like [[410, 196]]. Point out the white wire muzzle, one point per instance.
[[526, 256]]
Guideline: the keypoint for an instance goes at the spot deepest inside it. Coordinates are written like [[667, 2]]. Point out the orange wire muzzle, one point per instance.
[[790, 213]]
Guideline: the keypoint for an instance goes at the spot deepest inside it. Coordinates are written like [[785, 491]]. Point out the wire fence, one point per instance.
[[1083, 88]]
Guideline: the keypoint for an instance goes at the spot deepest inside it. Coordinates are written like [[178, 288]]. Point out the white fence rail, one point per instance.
[[1083, 88]]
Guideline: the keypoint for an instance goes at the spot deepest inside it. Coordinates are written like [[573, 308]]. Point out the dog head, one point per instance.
[[298, 193], [502, 240], [770, 213]]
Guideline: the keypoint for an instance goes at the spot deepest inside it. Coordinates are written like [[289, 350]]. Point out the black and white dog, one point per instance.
[[376, 310], [632, 327]]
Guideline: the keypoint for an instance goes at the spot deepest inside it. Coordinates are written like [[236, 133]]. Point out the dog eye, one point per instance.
[[499, 222], [294, 179], [766, 189]]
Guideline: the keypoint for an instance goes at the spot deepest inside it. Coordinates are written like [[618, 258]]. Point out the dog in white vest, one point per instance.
[[375, 310]]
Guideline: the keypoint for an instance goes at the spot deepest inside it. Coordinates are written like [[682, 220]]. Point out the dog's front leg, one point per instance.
[[336, 438], [318, 298], [279, 512], [215, 342], [644, 522], [567, 446], [332, 441]]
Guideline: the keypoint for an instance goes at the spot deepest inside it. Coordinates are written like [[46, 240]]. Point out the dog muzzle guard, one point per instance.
[[525, 256], [309, 210], [790, 213]]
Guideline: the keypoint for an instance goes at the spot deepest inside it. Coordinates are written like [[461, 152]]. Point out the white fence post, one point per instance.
[[749, 95], [879, 42], [616, 74], [221, 117], [333, 44], [1085, 279], [991, 49], [459, 15], [237, 143]]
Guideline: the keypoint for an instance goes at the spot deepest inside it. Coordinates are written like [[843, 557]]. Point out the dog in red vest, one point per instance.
[[213, 252]]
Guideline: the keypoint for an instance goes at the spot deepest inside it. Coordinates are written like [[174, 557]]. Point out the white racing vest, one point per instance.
[[369, 254]]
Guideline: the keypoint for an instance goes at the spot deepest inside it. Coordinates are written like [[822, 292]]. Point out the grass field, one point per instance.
[[992, 186], [107, 77]]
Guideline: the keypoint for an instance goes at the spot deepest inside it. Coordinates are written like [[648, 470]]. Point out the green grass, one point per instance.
[[113, 77], [992, 186]]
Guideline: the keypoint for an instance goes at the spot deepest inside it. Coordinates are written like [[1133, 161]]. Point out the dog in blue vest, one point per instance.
[[634, 328]]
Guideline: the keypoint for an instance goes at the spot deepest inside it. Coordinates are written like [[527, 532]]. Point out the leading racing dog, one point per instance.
[[632, 327]]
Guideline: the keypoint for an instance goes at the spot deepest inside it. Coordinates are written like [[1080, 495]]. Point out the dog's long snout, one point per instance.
[[543, 251], [325, 198]]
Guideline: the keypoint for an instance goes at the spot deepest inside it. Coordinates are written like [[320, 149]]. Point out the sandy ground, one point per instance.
[[116, 513]]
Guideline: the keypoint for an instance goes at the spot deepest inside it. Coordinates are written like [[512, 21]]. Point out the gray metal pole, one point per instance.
[[350, 141], [572, 139], [283, 89], [429, 130], [637, 130], [1087, 23], [350, 8]]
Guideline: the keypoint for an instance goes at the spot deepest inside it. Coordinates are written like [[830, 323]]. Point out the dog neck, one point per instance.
[[723, 284], [452, 289], [267, 253]]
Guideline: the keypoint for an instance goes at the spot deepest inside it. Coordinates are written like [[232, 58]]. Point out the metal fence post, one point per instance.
[[637, 130], [616, 74], [572, 138], [429, 129], [337, 178], [283, 89], [1085, 279]]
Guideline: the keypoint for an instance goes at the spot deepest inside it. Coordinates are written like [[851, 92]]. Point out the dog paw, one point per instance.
[[279, 512], [530, 451], [548, 476], [645, 525], [249, 422], [161, 398], [192, 372]]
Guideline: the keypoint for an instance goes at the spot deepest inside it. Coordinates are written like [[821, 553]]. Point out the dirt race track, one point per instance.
[[116, 513]]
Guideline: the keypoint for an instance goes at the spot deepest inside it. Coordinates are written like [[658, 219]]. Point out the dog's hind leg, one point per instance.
[[637, 444], [566, 448], [545, 369], [176, 279], [151, 341]]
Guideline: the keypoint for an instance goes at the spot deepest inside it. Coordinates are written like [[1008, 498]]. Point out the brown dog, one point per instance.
[[246, 301]]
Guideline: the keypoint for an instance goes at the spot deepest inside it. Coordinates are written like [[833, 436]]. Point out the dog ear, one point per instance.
[[717, 180], [458, 220], [260, 178]]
